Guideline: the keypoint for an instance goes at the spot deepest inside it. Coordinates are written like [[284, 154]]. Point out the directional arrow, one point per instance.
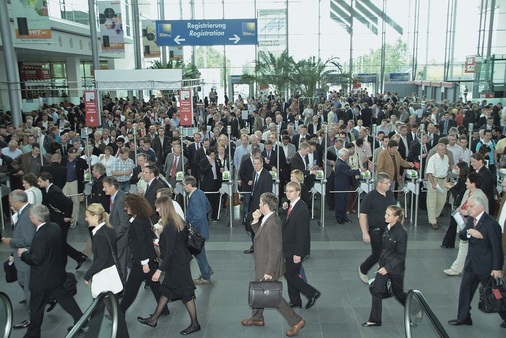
[[178, 39], [236, 39], [185, 118], [92, 120]]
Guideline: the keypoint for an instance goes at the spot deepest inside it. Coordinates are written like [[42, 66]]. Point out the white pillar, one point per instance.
[[4, 90], [74, 79]]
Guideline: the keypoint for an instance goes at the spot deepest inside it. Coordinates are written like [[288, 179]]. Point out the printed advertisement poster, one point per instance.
[[150, 48], [31, 20], [111, 26]]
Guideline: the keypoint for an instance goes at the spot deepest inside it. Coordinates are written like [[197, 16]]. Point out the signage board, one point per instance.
[[185, 107], [91, 108], [206, 32]]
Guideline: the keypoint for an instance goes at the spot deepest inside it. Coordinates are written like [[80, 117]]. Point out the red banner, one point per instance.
[[91, 108], [185, 107]]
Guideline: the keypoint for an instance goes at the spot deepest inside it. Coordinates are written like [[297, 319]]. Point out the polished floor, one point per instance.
[[336, 251]]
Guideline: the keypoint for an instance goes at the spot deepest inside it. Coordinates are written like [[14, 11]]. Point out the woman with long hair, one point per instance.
[[144, 258], [178, 282], [457, 190], [107, 159], [473, 185], [31, 189], [392, 263]]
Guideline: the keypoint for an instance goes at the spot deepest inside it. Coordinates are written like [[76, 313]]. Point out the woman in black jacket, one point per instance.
[[141, 241], [178, 282], [457, 190], [210, 170], [392, 264]]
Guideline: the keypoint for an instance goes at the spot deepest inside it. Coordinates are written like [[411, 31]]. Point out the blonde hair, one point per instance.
[[96, 209], [398, 212], [168, 213], [299, 175]]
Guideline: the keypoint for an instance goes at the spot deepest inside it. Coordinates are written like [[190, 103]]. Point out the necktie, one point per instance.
[[289, 211], [475, 222], [174, 166], [254, 184], [110, 203]]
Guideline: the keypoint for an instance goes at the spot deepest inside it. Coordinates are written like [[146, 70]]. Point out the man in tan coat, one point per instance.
[[390, 162], [269, 259]]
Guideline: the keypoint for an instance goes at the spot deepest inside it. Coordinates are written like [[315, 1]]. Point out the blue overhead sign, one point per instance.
[[206, 32]]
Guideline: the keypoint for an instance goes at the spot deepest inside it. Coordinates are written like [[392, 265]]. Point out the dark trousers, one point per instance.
[[468, 286], [380, 285], [69, 249], [296, 285], [38, 303], [451, 234], [134, 282], [376, 235], [330, 197], [340, 205]]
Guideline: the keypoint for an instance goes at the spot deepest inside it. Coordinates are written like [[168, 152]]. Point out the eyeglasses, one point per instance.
[[387, 182]]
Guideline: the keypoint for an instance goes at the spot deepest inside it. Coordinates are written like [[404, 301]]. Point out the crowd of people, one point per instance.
[[137, 166]]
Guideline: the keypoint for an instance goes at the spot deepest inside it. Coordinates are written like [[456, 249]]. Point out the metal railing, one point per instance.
[[419, 319], [5, 316]]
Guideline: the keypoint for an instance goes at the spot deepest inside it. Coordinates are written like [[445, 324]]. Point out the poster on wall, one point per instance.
[[111, 26], [150, 48], [31, 20]]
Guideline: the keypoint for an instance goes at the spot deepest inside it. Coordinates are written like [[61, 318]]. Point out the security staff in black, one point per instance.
[[372, 220]]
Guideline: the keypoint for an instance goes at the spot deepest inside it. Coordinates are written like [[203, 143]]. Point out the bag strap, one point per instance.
[[112, 250]]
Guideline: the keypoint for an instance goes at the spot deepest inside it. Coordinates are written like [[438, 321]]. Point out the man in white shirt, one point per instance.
[[455, 148], [437, 170]]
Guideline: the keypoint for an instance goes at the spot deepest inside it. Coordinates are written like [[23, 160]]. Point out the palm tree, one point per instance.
[[312, 75], [272, 70]]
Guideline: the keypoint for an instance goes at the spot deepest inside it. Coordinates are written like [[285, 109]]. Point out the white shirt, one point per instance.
[[94, 231], [438, 166], [34, 195]]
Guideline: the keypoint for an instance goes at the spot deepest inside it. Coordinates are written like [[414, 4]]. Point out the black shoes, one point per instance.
[[503, 325], [190, 329], [458, 322], [52, 304], [347, 220], [369, 324], [80, 262], [22, 325], [442, 246], [340, 222], [146, 321], [312, 301], [249, 251], [295, 306]]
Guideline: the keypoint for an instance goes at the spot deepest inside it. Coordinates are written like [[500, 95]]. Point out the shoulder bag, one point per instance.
[[265, 294], [107, 279], [11, 273], [194, 240], [493, 296]]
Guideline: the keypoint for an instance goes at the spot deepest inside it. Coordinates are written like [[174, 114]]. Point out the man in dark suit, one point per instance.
[[245, 182], [270, 157], [301, 137], [97, 187], [151, 173], [60, 208], [235, 125], [174, 163], [75, 180], [23, 232], [161, 145], [484, 259], [262, 182], [56, 170], [119, 219], [300, 161], [342, 182], [269, 259], [296, 242], [46, 258], [487, 185]]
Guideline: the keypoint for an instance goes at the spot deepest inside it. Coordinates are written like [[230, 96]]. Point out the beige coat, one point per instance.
[[386, 165]]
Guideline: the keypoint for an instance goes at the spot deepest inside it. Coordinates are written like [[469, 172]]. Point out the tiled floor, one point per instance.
[[336, 251]]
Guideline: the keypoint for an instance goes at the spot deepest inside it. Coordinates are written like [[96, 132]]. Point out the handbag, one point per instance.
[[387, 292], [107, 279], [265, 294], [194, 240], [11, 273], [493, 296]]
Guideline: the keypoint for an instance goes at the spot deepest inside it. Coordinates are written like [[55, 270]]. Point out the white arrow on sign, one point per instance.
[[185, 118], [178, 39], [92, 120], [236, 39]]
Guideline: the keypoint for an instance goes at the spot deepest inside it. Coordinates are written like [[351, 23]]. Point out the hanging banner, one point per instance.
[[272, 30], [185, 107], [31, 20], [91, 108], [111, 26], [470, 64], [151, 50]]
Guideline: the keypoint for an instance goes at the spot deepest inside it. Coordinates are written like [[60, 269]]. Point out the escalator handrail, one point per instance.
[[8, 307], [89, 311], [426, 309]]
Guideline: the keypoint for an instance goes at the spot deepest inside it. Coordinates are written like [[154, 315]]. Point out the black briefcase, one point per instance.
[[265, 294], [493, 296], [11, 273]]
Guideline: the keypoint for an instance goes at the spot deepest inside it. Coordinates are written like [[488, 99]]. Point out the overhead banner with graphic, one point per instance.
[[272, 30], [150, 48], [31, 20], [111, 26]]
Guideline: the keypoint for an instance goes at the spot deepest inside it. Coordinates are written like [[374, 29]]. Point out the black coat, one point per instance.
[[264, 184], [58, 172], [46, 258], [150, 195], [98, 195], [296, 235], [393, 251], [103, 240], [59, 205], [140, 239]]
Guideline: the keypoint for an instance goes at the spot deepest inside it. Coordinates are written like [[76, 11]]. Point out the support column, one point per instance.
[[74, 79], [11, 67]]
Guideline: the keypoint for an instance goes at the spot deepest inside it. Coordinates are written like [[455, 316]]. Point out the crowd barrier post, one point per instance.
[[324, 178], [230, 171]]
